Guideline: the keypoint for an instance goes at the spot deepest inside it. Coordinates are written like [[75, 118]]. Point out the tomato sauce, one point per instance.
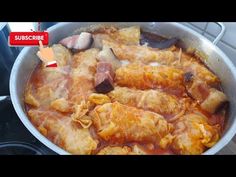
[[213, 119]]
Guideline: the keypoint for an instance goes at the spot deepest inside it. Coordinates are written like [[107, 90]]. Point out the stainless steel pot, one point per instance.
[[216, 60]]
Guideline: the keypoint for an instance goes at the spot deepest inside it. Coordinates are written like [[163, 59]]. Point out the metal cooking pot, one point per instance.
[[216, 60]]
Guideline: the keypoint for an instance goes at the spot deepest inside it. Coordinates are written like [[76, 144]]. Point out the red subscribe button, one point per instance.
[[28, 38]]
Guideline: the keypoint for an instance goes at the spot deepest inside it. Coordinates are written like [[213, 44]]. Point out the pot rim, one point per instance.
[[224, 140]]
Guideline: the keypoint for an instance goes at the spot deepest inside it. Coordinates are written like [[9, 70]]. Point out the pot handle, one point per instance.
[[5, 98], [221, 34]]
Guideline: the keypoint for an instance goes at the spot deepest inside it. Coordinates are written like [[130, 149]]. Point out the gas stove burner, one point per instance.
[[19, 148]]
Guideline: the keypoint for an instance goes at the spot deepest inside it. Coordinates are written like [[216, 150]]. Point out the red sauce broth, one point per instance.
[[219, 118]]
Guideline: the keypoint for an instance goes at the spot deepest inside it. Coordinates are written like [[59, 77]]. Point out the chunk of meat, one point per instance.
[[84, 41], [118, 123], [153, 100], [104, 77], [115, 150], [78, 42], [103, 67], [141, 76], [103, 82], [193, 134], [61, 131], [69, 41]]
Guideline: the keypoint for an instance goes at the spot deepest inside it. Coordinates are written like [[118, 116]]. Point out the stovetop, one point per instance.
[[15, 139]]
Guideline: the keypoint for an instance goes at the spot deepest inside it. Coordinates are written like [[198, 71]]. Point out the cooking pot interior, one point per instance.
[[215, 59]]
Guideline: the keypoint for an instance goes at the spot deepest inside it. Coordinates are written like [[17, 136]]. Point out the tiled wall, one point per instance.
[[210, 30]]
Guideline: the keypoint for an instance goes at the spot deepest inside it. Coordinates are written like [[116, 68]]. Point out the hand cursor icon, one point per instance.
[[46, 55]]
